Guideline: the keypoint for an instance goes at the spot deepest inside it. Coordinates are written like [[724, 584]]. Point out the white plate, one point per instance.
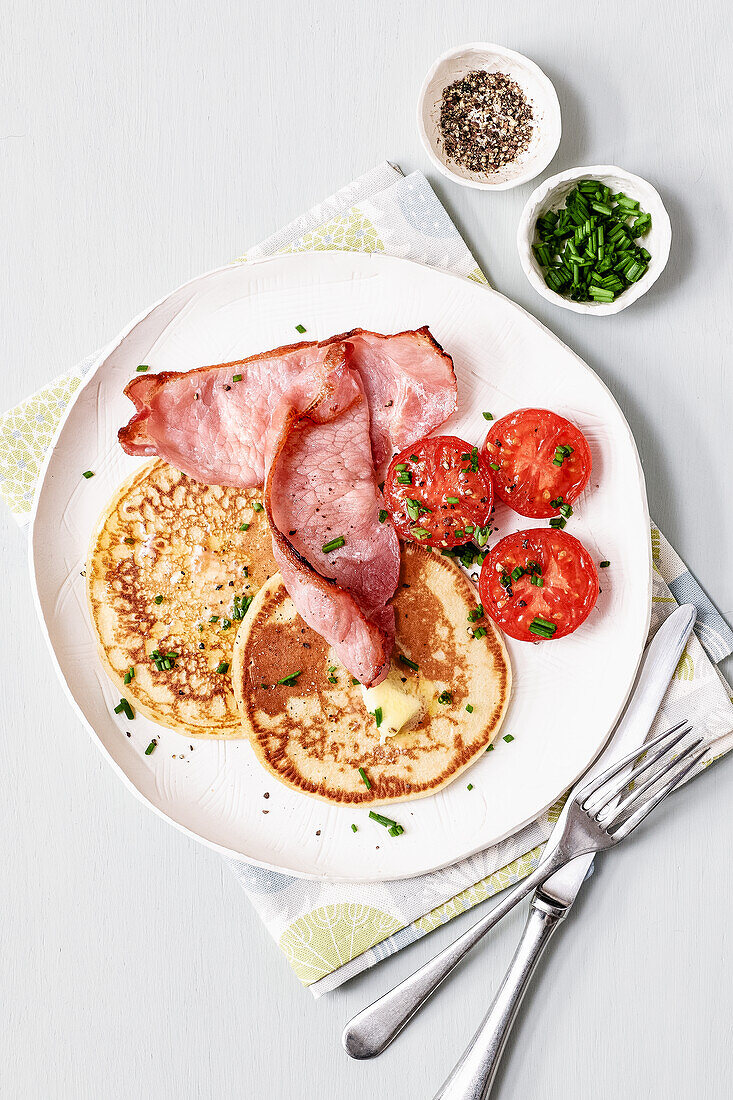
[[567, 694]]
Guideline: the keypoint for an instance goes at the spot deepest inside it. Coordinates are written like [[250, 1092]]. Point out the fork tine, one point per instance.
[[599, 801], [598, 780], [653, 779], [638, 816]]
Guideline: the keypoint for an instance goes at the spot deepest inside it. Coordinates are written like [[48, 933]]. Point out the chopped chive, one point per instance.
[[213, 618], [386, 821], [558, 522], [382, 515], [244, 527], [481, 632], [365, 779], [536, 580], [413, 508], [142, 368], [445, 697], [378, 717], [87, 474], [542, 628], [490, 748], [419, 533], [469, 787], [334, 544], [414, 458], [401, 466], [158, 600], [222, 668], [354, 829], [451, 500], [396, 830], [556, 502], [566, 510], [237, 378], [516, 573], [487, 416], [290, 680], [354, 680], [129, 541], [604, 564], [508, 737], [476, 613], [482, 534], [408, 662], [300, 329], [494, 465], [469, 708], [225, 624], [152, 747], [257, 506], [130, 675], [123, 707], [404, 477]]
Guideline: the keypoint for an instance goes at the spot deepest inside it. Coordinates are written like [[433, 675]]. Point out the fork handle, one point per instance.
[[371, 1030], [474, 1075]]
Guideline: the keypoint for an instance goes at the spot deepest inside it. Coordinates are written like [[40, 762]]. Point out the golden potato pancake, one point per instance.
[[306, 717], [171, 567]]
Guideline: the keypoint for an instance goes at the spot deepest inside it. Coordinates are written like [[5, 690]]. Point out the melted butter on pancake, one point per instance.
[[314, 733], [166, 563]]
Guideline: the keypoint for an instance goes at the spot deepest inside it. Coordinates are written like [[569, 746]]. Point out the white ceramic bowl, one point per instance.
[[538, 90], [551, 195]]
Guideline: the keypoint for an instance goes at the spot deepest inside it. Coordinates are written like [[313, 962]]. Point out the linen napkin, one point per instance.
[[330, 932]]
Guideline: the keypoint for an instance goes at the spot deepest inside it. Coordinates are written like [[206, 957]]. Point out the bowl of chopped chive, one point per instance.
[[594, 239], [488, 117]]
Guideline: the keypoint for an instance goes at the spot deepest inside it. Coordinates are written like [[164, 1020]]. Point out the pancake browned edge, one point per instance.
[[313, 733], [167, 560]]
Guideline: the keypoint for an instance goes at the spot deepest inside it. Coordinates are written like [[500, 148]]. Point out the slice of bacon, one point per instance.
[[213, 428], [321, 486]]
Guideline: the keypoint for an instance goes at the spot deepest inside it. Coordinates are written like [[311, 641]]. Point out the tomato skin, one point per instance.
[[570, 583], [523, 446], [438, 472]]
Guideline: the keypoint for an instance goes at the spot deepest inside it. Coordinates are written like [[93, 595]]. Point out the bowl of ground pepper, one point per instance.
[[488, 117]]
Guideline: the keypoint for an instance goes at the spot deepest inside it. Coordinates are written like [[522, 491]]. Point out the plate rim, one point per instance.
[[106, 352]]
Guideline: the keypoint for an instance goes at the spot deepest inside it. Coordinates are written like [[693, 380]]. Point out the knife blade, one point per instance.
[[656, 669]]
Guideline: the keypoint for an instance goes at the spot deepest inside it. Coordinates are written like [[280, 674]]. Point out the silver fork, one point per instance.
[[595, 821]]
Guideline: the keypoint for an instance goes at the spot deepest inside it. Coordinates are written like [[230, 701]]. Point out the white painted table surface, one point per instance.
[[143, 143]]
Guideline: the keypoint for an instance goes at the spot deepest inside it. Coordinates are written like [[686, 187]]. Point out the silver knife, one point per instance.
[[474, 1075]]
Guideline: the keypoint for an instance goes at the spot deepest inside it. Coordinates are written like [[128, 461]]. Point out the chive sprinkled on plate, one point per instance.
[[87, 474], [558, 522], [508, 737], [604, 564], [406, 661], [300, 329], [152, 747], [334, 544], [354, 829], [142, 368], [469, 787], [394, 828], [365, 779], [488, 416], [123, 707]]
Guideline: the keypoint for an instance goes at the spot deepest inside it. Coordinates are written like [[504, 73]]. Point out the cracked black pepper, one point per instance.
[[485, 121]]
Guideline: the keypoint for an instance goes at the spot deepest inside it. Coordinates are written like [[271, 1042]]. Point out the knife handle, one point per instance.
[[474, 1075]]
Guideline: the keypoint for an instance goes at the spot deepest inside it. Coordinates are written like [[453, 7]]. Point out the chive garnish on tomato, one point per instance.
[[542, 628], [452, 500], [494, 465]]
